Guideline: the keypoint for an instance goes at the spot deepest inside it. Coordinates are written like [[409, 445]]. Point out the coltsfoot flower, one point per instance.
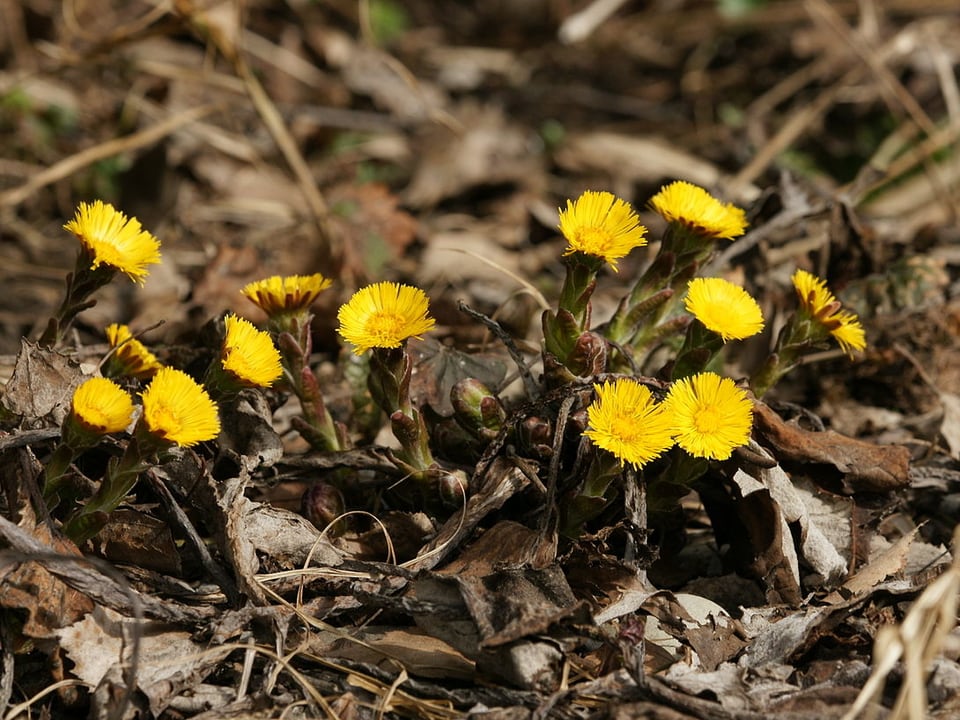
[[687, 204], [820, 304], [725, 308], [130, 356], [626, 421], [248, 355], [177, 410], [111, 239], [100, 406], [384, 315], [601, 225], [711, 415], [286, 295]]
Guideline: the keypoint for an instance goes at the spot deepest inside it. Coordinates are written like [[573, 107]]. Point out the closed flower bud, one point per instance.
[[477, 408], [322, 504], [536, 435], [589, 355], [453, 488]]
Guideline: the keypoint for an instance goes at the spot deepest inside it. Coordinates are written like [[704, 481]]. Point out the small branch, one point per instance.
[[529, 383]]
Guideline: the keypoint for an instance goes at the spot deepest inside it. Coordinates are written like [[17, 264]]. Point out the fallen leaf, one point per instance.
[[438, 367], [879, 569], [44, 600], [169, 662], [863, 467], [950, 425], [43, 382], [487, 150]]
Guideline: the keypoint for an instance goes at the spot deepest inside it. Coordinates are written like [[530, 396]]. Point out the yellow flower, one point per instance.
[[384, 315], [685, 203], [286, 295], [113, 240], [625, 420], [724, 308], [602, 225], [249, 355], [101, 406], [711, 415], [819, 303], [130, 356], [178, 410]]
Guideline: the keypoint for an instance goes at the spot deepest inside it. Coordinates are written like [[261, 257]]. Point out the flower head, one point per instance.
[[625, 420], [130, 356], [602, 225], [692, 206], [100, 406], [286, 295], [113, 240], [724, 308], [248, 354], [384, 315], [177, 410], [711, 415], [817, 301]]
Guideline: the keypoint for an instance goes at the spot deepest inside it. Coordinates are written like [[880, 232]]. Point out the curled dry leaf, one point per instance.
[[863, 467]]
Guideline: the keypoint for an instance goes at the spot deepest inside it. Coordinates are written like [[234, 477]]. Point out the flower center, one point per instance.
[[385, 326], [238, 363], [594, 240], [164, 422], [94, 418], [107, 252], [707, 420]]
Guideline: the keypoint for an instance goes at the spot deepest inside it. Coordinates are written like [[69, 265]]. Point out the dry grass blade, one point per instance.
[[70, 165], [917, 640], [270, 116], [888, 84], [23, 709]]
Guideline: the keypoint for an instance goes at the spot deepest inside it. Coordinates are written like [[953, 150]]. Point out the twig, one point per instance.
[[581, 25], [22, 438], [193, 537], [269, 114], [529, 383]]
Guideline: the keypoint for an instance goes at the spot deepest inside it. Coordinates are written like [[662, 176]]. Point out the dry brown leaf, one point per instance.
[[769, 549], [696, 622], [794, 504], [864, 467], [638, 159], [169, 662], [419, 653], [950, 425], [42, 599], [489, 150], [131, 537], [879, 569], [43, 383]]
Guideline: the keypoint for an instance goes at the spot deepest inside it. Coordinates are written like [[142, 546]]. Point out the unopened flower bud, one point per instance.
[[577, 422], [453, 488], [477, 408], [322, 504], [589, 355], [536, 435]]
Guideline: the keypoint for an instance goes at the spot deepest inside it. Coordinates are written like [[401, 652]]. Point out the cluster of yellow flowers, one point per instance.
[[703, 414], [707, 415]]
